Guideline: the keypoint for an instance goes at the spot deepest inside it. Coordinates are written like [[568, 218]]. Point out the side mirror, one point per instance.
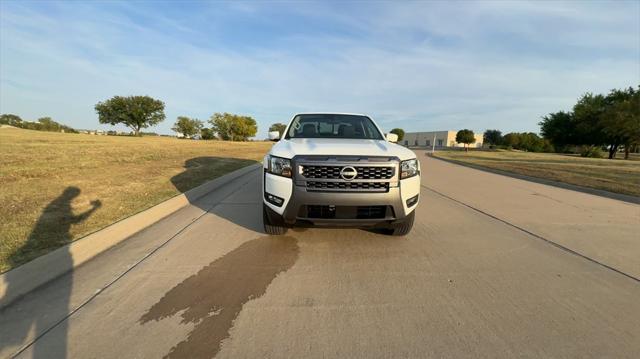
[[274, 136], [392, 137]]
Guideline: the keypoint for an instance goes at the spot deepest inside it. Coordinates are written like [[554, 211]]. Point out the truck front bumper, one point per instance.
[[398, 201]]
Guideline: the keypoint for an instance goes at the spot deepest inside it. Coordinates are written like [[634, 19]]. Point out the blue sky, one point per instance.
[[415, 65]]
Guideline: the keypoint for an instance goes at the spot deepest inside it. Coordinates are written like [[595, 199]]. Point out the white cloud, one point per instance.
[[420, 66]]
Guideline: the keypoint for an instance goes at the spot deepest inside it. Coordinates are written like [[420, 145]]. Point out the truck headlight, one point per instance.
[[409, 168], [279, 166]]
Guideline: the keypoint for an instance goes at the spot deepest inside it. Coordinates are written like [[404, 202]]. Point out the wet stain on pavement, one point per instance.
[[213, 297]]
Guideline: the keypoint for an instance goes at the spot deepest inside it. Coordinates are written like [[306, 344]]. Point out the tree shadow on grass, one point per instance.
[[52, 230]]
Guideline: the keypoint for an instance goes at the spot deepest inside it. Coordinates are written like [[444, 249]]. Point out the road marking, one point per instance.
[[548, 241]]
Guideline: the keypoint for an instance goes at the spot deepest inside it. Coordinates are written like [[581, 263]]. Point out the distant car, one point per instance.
[[339, 170]]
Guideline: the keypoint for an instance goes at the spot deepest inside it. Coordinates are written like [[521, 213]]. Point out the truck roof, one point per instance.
[[329, 113]]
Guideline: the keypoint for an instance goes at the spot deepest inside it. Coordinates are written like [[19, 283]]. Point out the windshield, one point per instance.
[[333, 126]]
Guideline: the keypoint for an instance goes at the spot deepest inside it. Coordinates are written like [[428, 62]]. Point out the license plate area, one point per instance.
[[345, 212]]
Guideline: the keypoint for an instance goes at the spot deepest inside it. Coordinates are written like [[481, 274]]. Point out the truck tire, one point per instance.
[[270, 228], [405, 227]]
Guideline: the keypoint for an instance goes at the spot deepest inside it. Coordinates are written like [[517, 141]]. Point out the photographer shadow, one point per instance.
[[52, 230]]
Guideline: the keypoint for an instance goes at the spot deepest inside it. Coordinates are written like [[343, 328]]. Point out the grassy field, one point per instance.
[[57, 187], [611, 175]]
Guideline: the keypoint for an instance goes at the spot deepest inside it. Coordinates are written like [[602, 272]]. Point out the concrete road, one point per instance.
[[495, 267]]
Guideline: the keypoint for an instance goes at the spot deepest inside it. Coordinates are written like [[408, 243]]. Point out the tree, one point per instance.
[[611, 121], [399, 132], [467, 137], [206, 134], [10, 119], [531, 142], [560, 129], [588, 113], [47, 124], [135, 112], [511, 139], [527, 141], [280, 127], [187, 127], [43, 124], [492, 137], [621, 119], [232, 127]]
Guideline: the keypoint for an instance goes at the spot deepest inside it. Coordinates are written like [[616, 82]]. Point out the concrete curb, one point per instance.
[[573, 187], [43, 269]]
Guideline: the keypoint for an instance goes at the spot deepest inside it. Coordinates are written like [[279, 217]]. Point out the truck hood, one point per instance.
[[339, 147]]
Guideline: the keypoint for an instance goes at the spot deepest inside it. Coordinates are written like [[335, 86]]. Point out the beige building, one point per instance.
[[439, 138]]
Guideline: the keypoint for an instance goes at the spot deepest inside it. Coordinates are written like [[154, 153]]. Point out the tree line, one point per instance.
[[610, 122], [523, 141], [596, 123], [226, 126], [41, 124], [138, 112]]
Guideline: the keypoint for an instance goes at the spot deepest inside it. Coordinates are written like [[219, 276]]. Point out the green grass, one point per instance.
[[55, 187], [619, 176]]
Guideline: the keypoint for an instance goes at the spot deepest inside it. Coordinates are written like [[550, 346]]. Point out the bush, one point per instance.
[[399, 132], [591, 152], [206, 134], [232, 127]]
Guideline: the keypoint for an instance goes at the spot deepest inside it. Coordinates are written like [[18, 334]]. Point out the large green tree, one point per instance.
[[280, 127], [467, 137], [560, 129], [135, 112], [492, 137], [232, 127], [587, 115], [399, 132], [621, 119], [188, 127]]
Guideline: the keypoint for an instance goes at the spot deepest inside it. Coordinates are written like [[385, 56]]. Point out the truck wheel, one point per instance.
[[404, 228], [270, 228]]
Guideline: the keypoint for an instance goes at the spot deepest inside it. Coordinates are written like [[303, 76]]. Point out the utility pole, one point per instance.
[[433, 145]]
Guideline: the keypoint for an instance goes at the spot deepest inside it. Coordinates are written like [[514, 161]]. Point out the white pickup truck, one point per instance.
[[339, 170]]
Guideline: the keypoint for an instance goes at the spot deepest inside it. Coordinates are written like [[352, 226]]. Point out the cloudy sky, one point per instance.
[[416, 65]]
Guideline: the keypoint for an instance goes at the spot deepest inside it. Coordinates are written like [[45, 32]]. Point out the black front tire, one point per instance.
[[269, 227], [404, 228]]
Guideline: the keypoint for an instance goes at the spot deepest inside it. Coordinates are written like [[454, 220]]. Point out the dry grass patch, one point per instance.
[[49, 180], [611, 175]]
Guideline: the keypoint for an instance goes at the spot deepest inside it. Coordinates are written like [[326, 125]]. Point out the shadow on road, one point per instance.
[[246, 208], [212, 298], [51, 231]]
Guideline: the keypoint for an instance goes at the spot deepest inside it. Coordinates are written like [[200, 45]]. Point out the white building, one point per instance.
[[439, 138]]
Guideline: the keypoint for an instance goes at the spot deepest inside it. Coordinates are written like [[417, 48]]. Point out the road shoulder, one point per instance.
[[563, 185]]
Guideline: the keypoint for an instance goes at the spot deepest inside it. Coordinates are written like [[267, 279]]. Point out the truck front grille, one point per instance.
[[348, 186], [333, 172]]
